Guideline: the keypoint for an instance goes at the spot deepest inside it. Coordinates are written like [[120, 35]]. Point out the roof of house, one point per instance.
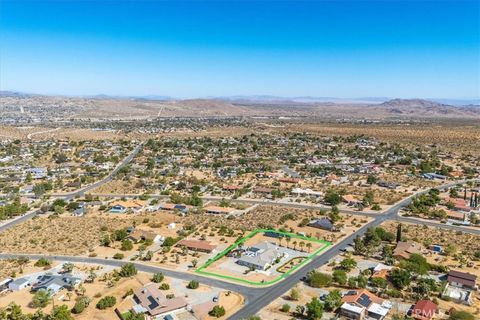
[[231, 187], [263, 190], [143, 234], [155, 303], [219, 209], [383, 273], [462, 277], [129, 203], [424, 310], [267, 252], [350, 198], [405, 249], [362, 297], [54, 282], [197, 244], [323, 223]]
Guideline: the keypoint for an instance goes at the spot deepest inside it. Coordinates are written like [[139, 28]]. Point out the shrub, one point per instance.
[[118, 256], [106, 302], [285, 308], [318, 280], [164, 286], [42, 262], [80, 305], [194, 284], [158, 277], [127, 245], [128, 270], [41, 299], [217, 312]]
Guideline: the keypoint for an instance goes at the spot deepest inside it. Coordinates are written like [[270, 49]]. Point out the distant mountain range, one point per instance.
[[103, 106]]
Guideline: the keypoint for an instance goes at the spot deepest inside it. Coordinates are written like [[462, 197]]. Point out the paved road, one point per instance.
[[255, 298], [79, 192], [19, 219], [274, 292]]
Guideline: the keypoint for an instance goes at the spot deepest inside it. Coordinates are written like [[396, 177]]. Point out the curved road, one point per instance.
[[79, 192], [255, 298]]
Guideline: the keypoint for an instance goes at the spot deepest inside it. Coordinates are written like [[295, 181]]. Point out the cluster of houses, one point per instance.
[[24, 165], [363, 304]]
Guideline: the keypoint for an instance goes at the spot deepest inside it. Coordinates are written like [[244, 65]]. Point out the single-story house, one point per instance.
[[124, 206], [151, 301], [218, 210], [359, 304], [403, 250], [197, 245], [145, 235], [323, 223], [306, 192], [54, 283], [260, 256]]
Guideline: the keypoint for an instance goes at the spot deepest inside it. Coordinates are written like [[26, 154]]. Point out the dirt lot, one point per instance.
[[70, 235]]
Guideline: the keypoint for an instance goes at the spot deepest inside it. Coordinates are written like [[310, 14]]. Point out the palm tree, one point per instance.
[[294, 245], [309, 246], [301, 244], [288, 240]]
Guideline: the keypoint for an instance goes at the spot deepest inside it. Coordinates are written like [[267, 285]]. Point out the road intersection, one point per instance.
[[256, 298]]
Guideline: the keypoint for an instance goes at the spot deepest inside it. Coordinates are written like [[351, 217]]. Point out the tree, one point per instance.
[[81, 304], [41, 299], [127, 245], [60, 313], [400, 278], [193, 284], [348, 264], [333, 300], [105, 241], [158, 277], [371, 179], [217, 311], [309, 246], [314, 309], [318, 280], [369, 198], [294, 294], [106, 302], [332, 197], [340, 277], [416, 264], [128, 270], [67, 267], [399, 232], [334, 214], [194, 262]]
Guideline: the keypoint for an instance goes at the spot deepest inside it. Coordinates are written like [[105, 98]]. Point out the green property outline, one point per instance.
[[250, 235]]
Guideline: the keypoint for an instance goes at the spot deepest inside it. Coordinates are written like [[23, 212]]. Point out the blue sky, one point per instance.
[[186, 49]]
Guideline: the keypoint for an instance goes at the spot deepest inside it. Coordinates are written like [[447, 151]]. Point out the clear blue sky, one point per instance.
[[221, 48]]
